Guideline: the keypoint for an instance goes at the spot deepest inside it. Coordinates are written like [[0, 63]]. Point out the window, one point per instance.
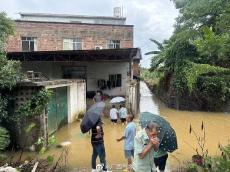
[[72, 44], [115, 80], [114, 44], [29, 44]]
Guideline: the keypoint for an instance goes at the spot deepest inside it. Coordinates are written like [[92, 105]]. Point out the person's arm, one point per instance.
[[153, 144], [145, 150], [99, 131], [120, 139]]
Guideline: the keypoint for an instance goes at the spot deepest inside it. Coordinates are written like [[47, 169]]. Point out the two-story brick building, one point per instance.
[[97, 49]]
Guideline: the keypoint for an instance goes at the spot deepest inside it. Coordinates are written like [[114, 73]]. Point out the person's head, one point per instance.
[[129, 118], [151, 129], [113, 106], [121, 106], [98, 93]]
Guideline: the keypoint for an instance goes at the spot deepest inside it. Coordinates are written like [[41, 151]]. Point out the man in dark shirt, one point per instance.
[[98, 146]]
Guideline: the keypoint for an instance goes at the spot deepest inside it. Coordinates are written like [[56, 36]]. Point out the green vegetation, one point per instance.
[[202, 161], [33, 107], [9, 75], [194, 63], [4, 138]]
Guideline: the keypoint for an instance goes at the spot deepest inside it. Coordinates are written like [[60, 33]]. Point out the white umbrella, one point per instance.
[[117, 100]]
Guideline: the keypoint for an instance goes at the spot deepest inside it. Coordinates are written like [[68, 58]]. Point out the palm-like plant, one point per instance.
[[158, 56]]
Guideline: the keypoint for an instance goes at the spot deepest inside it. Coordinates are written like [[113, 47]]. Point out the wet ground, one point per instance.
[[216, 124]]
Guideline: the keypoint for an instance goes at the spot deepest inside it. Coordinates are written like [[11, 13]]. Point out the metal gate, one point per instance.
[[57, 109]]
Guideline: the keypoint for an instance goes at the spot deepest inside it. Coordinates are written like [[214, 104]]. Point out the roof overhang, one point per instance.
[[125, 54], [69, 16]]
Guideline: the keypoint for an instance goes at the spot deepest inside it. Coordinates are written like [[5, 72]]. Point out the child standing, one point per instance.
[[122, 114], [113, 114]]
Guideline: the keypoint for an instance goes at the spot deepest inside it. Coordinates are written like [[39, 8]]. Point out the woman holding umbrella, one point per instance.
[[166, 135]]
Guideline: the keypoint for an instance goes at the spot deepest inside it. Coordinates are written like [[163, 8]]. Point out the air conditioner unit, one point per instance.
[[98, 47]]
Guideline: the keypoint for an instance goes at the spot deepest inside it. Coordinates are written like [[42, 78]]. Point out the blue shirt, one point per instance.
[[130, 132]]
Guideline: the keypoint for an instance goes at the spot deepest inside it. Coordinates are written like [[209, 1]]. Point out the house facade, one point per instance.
[[97, 49]]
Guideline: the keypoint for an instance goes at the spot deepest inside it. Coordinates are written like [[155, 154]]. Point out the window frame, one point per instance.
[[114, 44], [72, 43], [115, 80], [29, 40]]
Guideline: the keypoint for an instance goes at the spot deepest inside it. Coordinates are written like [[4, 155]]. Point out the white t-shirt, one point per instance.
[[113, 113], [123, 112]]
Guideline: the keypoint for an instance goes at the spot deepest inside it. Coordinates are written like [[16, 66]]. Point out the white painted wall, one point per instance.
[[132, 97], [94, 70], [76, 100]]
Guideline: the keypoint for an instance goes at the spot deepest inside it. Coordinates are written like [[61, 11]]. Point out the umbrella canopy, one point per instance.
[[117, 100], [97, 108], [89, 121], [166, 134]]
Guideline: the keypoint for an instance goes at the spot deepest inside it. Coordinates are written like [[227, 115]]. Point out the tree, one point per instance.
[[9, 69], [10, 73], [158, 57], [199, 47], [207, 23]]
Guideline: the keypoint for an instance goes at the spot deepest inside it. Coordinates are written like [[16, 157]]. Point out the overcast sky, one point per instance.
[[151, 18]]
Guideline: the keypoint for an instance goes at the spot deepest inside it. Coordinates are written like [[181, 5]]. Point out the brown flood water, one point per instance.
[[217, 131]]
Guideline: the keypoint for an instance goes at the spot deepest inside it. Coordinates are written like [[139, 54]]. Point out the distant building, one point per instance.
[[52, 32]]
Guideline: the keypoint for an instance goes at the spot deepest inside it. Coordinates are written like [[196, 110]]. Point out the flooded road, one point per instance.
[[217, 127], [217, 131], [81, 150]]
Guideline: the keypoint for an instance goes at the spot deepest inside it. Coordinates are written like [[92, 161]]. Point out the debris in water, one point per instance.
[[64, 144]]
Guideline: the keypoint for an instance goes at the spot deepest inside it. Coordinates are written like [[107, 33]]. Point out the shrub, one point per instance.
[[4, 139], [214, 91]]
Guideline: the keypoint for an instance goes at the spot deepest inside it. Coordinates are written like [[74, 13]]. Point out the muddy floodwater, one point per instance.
[[217, 131]]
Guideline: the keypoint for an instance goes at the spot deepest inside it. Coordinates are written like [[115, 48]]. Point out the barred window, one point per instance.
[[29, 44], [114, 44], [115, 80]]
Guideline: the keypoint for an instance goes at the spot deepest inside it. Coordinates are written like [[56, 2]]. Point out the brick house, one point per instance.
[[97, 49]]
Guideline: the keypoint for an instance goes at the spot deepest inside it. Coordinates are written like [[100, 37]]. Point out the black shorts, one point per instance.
[[123, 120], [161, 162], [114, 120]]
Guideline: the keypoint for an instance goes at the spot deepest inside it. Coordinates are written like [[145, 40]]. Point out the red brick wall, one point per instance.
[[50, 35], [136, 68]]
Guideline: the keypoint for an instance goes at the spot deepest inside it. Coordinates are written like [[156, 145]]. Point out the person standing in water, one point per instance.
[[129, 134], [122, 114], [97, 141]]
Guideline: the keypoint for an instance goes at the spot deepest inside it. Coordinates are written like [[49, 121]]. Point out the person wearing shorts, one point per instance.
[[113, 114], [130, 133], [122, 114], [160, 158]]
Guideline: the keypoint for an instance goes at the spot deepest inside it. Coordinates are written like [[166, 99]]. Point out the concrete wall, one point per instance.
[[79, 19], [133, 97], [94, 72], [50, 35], [76, 100]]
